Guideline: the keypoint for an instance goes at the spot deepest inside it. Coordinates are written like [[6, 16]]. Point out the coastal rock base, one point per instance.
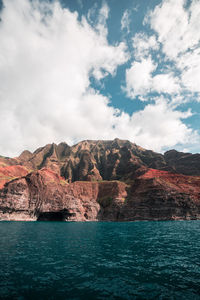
[[154, 195]]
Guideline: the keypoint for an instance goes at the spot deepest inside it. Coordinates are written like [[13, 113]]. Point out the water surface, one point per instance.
[[100, 260]]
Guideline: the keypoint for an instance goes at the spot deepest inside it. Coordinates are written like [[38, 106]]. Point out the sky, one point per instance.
[[72, 70]]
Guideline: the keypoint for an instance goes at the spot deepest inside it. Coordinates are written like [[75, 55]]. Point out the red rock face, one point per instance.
[[160, 195], [155, 195], [110, 180], [184, 184], [43, 192], [8, 173]]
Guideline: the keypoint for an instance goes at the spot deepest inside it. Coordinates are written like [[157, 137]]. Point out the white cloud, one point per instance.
[[143, 45], [46, 59], [139, 78], [102, 18], [125, 21], [158, 124], [178, 32], [98, 18], [189, 63], [165, 83], [174, 49], [169, 20], [167, 63], [177, 28]]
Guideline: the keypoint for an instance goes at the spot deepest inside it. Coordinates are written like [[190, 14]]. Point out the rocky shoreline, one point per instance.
[[122, 188]]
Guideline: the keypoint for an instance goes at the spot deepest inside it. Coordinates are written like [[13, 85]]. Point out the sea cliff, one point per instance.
[[100, 181]]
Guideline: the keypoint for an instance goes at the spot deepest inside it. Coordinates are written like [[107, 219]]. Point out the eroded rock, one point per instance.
[[153, 195]]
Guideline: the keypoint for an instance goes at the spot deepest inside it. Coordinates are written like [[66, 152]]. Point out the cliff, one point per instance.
[[99, 180]]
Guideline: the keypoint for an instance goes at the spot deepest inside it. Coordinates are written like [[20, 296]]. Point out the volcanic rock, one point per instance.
[[183, 163], [106, 160], [99, 180], [155, 195], [8, 173]]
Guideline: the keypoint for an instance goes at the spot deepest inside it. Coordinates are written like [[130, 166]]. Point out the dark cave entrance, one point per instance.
[[62, 215]]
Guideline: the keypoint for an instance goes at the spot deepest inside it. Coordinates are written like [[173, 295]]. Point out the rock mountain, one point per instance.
[[100, 180]]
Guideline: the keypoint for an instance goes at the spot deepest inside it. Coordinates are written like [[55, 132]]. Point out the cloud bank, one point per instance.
[[48, 57], [166, 69]]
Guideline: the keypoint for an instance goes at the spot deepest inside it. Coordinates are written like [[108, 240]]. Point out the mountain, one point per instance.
[[104, 160], [183, 163], [100, 180]]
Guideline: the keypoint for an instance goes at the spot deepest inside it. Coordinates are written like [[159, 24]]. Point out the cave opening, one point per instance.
[[62, 215]]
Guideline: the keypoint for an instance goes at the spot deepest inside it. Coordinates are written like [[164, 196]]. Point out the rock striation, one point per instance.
[[99, 180]]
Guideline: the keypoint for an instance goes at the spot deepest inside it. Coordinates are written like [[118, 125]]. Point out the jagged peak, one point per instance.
[[113, 158], [171, 151], [25, 153], [63, 144], [47, 146], [90, 143]]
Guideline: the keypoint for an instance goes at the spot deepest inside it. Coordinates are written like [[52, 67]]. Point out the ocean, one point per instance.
[[100, 260]]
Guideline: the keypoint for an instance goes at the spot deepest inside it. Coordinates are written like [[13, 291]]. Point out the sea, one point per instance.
[[100, 260]]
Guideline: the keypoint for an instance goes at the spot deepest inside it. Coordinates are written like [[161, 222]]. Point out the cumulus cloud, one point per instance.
[[166, 70], [189, 63], [48, 56], [166, 83], [102, 18], [140, 80], [177, 31], [143, 45], [159, 125], [177, 26], [139, 77], [175, 45]]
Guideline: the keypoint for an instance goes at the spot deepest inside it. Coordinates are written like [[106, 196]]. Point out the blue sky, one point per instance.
[[83, 69]]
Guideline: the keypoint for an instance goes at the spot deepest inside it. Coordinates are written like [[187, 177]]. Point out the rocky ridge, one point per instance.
[[100, 180]]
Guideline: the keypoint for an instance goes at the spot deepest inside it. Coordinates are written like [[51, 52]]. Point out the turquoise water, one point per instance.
[[135, 260]]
